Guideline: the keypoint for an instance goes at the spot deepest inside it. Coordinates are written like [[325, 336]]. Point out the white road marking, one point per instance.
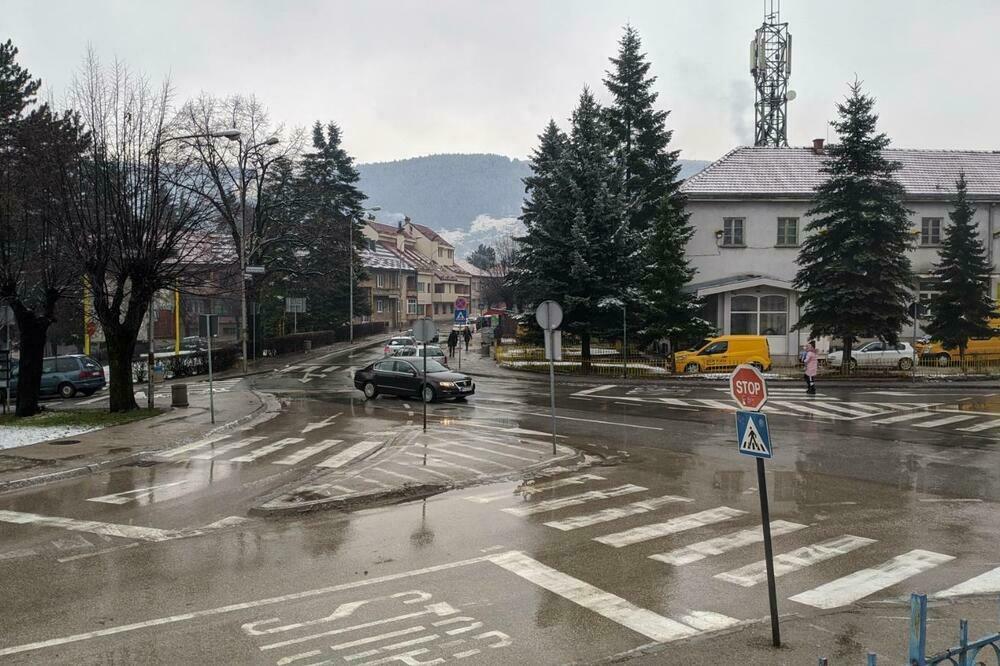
[[565, 418], [406, 405], [596, 389], [945, 421], [573, 500], [217, 451], [495, 453], [332, 368], [842, 408], [289, 368], [944, 500], [132, 495], [90, 526], [528, 490], [808, 410], [406, 477], [95, 553], [266, 450], [442, 450], [439, 609], [800, 558], [614, 513], [349, 454], [425, 469], [193, 445], [308, 452], [90, 401], [985, 583], [906, 416], [863, 583], [724, 544], [979, 427], [432, 460], [247, 605], [320, 424], [605, 604], [672, 526], [716, 404]]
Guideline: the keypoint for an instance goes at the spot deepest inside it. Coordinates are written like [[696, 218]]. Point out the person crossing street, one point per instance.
[[467, 335], [811, 366], [452, 342]]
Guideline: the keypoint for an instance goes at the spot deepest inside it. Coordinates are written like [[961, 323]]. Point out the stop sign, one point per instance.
[[747, 387]]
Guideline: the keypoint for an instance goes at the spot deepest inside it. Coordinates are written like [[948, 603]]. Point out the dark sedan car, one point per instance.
[[405, 377]]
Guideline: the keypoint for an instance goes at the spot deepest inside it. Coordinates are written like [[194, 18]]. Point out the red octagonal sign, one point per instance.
[[748, 388]]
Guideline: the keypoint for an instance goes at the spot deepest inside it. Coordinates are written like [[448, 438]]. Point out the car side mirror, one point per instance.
[[413, 373]]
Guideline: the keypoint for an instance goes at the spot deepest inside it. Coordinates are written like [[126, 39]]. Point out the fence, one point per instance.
[[605, 361]]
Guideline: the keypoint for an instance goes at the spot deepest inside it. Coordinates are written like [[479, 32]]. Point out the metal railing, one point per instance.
[[605, 360]]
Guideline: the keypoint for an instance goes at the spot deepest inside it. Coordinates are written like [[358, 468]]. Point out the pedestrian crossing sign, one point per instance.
[[752, 434]]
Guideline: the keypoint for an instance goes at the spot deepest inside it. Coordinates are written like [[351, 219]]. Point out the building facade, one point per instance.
[[748, 210]]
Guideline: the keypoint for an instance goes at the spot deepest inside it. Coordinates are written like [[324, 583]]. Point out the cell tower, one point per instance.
[[771, 65]]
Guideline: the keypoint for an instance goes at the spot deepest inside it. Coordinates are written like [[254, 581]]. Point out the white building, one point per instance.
[[748, 210]]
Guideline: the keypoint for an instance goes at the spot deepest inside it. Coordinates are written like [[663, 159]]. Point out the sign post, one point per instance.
[[749, 390], [208, 327], [424, 331], [549, 315]]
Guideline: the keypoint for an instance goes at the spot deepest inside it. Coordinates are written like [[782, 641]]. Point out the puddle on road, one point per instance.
[[979, 403]]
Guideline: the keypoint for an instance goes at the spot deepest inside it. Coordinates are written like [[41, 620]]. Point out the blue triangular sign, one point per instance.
[[752, 434]]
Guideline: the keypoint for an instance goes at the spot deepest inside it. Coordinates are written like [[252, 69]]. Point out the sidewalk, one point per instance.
[[110, 447], [412, 464]]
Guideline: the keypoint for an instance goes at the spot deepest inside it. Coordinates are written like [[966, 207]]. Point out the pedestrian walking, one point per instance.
[[812, 365], [467, 334], [452, 342]]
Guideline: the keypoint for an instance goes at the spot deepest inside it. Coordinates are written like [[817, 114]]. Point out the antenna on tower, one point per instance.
[[770, 66]]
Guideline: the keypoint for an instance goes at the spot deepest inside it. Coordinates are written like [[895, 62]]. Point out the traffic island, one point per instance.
[[414, 465]]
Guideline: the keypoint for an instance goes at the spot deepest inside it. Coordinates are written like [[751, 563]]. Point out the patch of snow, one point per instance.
[[576, 364], [13, 437]]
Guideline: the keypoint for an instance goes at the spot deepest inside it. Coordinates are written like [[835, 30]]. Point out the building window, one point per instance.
[[411, 306], [930, 231], [732, 232], [753, 315], [380, 280], [928, 290], [379, 305], [439, 288], [788, 232]]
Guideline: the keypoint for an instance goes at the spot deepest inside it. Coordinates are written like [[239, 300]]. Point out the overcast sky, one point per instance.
[[408, 78]]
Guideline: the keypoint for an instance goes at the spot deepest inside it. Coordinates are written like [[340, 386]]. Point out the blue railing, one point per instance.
[[966, 653]]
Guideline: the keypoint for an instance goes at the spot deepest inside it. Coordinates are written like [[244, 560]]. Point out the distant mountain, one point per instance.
[[468, 199]]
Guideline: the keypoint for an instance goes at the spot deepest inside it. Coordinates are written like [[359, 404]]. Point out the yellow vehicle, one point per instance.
[[725, 353], [977, 350]]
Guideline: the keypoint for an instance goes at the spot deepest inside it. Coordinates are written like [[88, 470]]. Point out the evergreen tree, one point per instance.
[[484, 257], [652, 190], [854, 276], [963, 307]]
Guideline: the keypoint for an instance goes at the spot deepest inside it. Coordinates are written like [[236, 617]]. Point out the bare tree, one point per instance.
[[496, 284], [231, 175], [135, 228]]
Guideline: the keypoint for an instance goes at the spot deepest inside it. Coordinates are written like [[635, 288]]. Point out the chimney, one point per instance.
[[818, 146]]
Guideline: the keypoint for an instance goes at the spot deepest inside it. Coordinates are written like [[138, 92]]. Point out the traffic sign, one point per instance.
[[748, 388], [461, 317], [549, 315], [752, 434], [424, 330], [91, 328], [461, 304]]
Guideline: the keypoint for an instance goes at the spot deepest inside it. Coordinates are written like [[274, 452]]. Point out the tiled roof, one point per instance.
[[383, 228], [383, 257], [766, 171], [430, 233], [470, 269]]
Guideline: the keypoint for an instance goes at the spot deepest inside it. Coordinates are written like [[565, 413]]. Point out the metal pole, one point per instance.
[[423, 390], [253, 352], [350, 286], [177, 322], [295, 321], [624, 344], [916, 318], [150, 360], [211, 392], [772, 595], [243, 261], [552, 388]]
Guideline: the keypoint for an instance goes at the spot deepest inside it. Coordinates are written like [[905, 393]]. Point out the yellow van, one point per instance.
[[977, 349], [725, 353]]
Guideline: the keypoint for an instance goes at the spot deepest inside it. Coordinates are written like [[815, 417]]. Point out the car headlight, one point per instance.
[[447, 384]]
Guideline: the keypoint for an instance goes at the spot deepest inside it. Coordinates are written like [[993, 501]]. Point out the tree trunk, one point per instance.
[[846, 365], [585, 350], [121, 348], [31, 331]]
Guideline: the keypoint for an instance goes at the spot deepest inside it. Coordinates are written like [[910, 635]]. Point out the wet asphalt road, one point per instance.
[[874, 493]]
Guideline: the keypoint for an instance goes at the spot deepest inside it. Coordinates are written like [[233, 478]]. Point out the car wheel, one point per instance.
[[428, 393], [905, 363], [67, 391], [943, 359], [691, 368], [370, 391]]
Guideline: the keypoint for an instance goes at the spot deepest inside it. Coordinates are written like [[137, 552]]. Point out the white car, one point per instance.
[[396, 343], [418, 351], [877, 354]]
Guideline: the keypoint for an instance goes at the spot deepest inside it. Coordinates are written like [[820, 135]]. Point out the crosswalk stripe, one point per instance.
[[945, 421], [442, 450], [193, 445], [808, 410], [717, 404], [216, 451], [842, 407], [862, 583], [434, 460], [800, 558], [615, 513], [308, 452], [495, 453], [127, 496], [528, 490], [332, 368], [677, 402], [266, 450], [645, 622], [979, 427], [399, 475], [724, 544], [672, 526], [986, 583], [873, 407], [424, 469], [91, 526], [906, 416], [349, 454], [574, 500]]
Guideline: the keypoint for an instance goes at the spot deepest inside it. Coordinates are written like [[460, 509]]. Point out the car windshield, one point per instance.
[[432, 366]]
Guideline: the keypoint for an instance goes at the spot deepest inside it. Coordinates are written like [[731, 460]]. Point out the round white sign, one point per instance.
[[549, 315], [424, 330]]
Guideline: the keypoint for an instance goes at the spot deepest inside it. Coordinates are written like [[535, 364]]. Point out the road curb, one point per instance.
[[266, 403]]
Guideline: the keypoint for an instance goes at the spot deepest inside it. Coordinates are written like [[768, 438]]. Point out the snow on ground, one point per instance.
[[11, 437], [576, 364]]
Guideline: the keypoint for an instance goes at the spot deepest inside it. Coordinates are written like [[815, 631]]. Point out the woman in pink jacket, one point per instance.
[[812, 365]]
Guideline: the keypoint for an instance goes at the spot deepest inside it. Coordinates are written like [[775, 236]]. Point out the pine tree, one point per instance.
[[483, 257], [854, 276], [962, 308], [652, 191]]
